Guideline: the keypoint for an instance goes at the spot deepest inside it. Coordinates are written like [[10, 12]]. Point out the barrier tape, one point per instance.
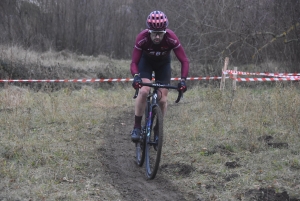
[[71, 80], [265, 79], [232, 72], [277, 77], [104, 80], [200, 78], [283, 78]]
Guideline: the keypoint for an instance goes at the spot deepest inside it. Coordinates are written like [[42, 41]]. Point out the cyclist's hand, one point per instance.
[[182, 86], [136, 81]]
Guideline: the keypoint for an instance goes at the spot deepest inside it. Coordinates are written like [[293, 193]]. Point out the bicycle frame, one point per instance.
[[153, 98], [154, 101]]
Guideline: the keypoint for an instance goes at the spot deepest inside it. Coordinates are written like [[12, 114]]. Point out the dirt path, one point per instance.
[[127, 177]]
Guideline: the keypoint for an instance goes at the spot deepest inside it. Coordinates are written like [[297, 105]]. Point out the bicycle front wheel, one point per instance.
[[154, 141]]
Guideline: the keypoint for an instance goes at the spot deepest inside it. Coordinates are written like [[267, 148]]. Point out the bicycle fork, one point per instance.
[[149, 118]]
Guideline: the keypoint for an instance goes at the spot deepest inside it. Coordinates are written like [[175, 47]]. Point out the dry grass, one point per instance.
[[255, 130], [44, 144], [234, 142], [17, 54]]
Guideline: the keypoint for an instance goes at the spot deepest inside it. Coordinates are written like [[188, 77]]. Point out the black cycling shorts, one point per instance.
[[162, 68]]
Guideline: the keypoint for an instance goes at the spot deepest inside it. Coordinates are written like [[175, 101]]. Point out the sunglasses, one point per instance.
[[155, 33]]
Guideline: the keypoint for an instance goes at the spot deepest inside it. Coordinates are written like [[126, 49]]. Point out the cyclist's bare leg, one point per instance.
[[163, 100], [140, 101]]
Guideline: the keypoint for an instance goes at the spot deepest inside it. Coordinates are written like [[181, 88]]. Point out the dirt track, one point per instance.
[[129, 180], [127, 177]]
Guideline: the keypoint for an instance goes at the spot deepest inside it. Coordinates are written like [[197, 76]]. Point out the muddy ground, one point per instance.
[[118, 158], [128, 178]]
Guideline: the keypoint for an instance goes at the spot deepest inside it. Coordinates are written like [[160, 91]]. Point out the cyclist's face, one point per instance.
[[156, 36]]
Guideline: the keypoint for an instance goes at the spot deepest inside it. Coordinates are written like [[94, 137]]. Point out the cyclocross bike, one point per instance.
[[149, 146]]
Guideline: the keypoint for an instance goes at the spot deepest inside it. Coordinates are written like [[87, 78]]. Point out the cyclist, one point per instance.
[[152, 53]]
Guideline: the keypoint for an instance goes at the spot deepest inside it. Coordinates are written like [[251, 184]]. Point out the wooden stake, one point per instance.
[[222, 84], [234, 79]]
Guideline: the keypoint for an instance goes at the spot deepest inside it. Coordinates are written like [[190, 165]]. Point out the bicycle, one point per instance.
[[152, 131]]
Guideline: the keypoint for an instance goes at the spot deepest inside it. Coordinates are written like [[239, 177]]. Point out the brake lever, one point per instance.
[[180, 95], [136, 93]]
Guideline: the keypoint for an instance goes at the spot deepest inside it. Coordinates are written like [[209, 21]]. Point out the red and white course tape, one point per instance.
[[265, 79], [232, 72], [72, 80], [104, 80], [271, 76]]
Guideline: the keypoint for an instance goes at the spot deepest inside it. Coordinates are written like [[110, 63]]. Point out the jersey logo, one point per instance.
[[157, 53], [141, 42], [173, 41]]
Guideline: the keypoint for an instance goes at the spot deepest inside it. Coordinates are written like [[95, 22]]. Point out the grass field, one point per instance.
[[219, 145]]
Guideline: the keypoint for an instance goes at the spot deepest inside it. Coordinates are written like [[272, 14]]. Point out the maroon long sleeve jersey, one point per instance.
[[170, 41]]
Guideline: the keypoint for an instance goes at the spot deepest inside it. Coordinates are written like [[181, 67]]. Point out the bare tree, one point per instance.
[[246, 31]]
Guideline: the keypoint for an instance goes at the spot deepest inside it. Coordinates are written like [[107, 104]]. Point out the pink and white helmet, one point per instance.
[[157, 21]]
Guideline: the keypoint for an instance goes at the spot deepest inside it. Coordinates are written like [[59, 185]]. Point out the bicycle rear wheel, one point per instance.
[[140, 149], [154, 141]]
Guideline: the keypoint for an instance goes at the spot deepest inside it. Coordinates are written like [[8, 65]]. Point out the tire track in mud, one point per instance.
[[126, 176]]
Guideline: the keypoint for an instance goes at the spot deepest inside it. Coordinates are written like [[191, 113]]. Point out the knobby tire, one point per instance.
[[140, 150], [152, 155]]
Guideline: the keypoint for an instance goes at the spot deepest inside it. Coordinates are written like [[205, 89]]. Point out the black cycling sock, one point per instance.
[[137, 121]]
